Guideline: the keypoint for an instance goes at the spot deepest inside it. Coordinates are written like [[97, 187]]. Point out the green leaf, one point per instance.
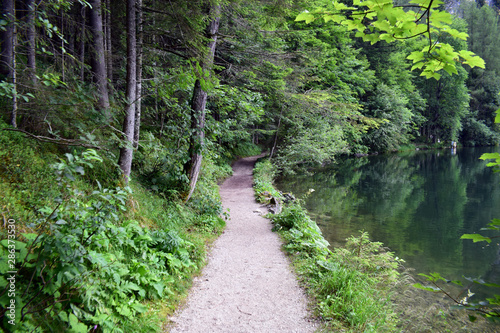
[[138, 307], [305, 16], [76, 326], [490, 156], [342, 6], [497, 117], [476, 238], [416, 56], [471, 59], [124, 310]]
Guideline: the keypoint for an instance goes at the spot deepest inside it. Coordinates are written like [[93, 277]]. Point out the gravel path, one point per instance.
[[247, 285]]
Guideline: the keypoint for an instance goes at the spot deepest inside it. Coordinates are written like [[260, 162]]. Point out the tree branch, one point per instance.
[[60, 141]]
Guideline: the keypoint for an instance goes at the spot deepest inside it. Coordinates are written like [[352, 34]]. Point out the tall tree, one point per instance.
[[82, 20], [126, 152], [140, 38], [7, 38], [109, 49], [199, 101], [8, 60], [484, 40], [31, 38], [98, 55]]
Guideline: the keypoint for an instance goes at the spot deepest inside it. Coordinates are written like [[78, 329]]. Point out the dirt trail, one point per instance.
[[247, 285]]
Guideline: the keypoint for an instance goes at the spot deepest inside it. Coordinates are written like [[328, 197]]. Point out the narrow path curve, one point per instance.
[[247, 285]]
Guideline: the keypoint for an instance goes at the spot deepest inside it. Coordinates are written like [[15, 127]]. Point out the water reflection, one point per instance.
[[418, 204]]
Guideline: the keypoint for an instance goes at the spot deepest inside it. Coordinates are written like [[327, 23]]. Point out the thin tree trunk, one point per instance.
[[13, 76], [81, 51], [126, 153], [7, 38], [63, 66], [98, 60], [109, 49], [8, 59], [139, 74], [31, 37], [198, 104], [71, 36]]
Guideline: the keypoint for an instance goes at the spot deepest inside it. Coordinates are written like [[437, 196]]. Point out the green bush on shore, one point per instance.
[[349, 287]]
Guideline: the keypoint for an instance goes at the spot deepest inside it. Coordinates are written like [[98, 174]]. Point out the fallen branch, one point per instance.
[[59, 141]]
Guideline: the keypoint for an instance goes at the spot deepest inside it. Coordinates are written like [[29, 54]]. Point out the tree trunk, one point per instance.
[[198, 103], [13, 79], [126, 153], [31, 36], [81, 51], [8, 60], [63, 65], [139, 74], [7, 38], [98, 60], [109, 49]]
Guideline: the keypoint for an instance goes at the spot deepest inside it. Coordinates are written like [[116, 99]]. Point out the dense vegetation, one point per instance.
[[119, 117]]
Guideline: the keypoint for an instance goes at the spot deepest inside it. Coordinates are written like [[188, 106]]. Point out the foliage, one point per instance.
[[390, 105], [483, 84], [161, 167], [476, 133], [388, 21], [264, 173], [82, 266], [205, 198]]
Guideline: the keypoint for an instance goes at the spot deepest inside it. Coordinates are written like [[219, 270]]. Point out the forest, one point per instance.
[[118, 118]]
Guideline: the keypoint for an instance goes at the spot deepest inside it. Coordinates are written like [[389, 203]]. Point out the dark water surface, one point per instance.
[[418, 204]]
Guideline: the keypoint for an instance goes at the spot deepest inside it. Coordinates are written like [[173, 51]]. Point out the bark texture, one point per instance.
[[98, 58], [126, 153], [109, 49], [138, 105], [31, 36], [81, 42], [8, 59], [198, 104], [7, 38]]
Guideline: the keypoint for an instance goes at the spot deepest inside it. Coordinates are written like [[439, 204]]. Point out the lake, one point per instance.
[[417, 203]]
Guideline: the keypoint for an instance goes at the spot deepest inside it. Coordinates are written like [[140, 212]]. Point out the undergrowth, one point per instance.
[[94, 257], [349, 287]]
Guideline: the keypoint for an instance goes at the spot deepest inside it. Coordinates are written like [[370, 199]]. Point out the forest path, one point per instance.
[[247, 285]]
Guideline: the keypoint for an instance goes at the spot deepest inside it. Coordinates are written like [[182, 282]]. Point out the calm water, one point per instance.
[[418, 204]]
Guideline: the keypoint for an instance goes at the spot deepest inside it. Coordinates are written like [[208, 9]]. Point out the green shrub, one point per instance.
[[292, 216], [264, 173], [86, 267]]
